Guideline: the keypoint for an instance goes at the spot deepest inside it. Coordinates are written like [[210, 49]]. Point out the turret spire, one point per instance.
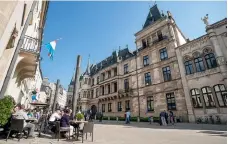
[[88, 67]]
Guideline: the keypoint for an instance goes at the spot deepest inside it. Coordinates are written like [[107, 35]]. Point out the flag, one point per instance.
[[51, 48]]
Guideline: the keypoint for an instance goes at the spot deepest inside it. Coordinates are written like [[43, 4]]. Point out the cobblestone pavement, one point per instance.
[[138, 133]]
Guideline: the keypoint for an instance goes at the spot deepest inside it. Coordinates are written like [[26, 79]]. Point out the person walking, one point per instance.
[[171, 115], [128, 115], [166, 117], [163, 121]]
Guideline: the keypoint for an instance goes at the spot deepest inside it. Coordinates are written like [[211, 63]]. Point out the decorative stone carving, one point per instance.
[[196, 54], [207, 50], [187, 58], [221, 60], [203, 74]]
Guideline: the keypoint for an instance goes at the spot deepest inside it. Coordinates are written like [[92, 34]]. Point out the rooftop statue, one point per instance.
[[205, 20]]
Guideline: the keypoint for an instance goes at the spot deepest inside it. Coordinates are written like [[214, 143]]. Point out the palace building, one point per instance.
[[166, 72]]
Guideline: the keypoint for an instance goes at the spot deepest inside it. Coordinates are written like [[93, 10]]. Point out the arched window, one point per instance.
[[199, 64], [208, 97], [221, 94], [210, 61], [188, 67], [197, 103]]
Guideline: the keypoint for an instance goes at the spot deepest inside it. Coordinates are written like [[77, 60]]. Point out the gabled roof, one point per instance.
[[154, 15]]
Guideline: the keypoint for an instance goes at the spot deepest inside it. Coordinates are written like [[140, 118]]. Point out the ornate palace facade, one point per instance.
[[160, 75]]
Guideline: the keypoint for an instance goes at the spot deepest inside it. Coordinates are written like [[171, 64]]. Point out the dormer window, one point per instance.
[[159, 34], [144, 43]]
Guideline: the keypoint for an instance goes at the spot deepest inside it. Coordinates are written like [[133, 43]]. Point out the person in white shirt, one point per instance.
[[55, 116], [21, 114]]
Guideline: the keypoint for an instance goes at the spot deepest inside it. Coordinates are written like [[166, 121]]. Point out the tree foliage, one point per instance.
[[6, 106]]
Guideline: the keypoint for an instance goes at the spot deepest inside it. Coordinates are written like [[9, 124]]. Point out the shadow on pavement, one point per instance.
[[215, 133], [180, 126]]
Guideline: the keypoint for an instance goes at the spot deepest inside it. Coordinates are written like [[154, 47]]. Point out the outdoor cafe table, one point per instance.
[[32, 120], [75, 124]]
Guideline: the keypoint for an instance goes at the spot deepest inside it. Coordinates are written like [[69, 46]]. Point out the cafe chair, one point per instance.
[[61, 129], [18, 125], [88, 128]]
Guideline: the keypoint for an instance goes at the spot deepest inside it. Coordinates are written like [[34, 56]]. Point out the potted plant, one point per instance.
[[79, 116]]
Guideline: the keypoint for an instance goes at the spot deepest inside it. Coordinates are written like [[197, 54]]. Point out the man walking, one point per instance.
[[128, 115], [163, 121]]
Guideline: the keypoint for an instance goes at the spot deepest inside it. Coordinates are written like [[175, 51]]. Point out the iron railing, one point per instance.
[[30, 44]]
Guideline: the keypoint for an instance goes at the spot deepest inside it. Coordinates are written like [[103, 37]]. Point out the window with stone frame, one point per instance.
[[196, 101], [115, 71], [171, 103], [115, 86], [109, 107], [119, 106], [163, 54], [208, 96], [166, 73], [199, 64], [102, 90], [92, 93], [125, 68], [89, 83], [109, 74], [147, 78], [109, 88], [88, 94], [150, 103], [210, 60], [160, 36], [221, 94], [188, 67], [92, 81], [145, 60], [126, 84], [97, 92], [86, 81], [103, 107], [98, 79], [127, 105], [84, 94], [144, 44]]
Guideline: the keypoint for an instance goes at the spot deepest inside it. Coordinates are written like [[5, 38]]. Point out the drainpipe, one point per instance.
[[15, 55]]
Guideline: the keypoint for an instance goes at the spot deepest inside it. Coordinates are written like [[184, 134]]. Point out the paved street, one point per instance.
[[137, 133]]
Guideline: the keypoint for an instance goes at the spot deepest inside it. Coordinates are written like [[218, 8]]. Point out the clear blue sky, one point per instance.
[[98, 28]]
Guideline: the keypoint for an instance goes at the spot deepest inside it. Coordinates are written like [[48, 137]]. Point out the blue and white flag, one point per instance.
[[51, 48]]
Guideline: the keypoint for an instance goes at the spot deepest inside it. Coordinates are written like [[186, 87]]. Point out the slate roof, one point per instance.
[[154, 15]]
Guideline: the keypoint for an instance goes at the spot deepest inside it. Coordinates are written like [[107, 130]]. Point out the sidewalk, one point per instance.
[[190, 126]]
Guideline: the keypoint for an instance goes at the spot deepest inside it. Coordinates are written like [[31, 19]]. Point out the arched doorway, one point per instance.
[[93, 110]]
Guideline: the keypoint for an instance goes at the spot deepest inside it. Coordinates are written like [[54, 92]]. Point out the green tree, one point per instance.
[[6, 105]]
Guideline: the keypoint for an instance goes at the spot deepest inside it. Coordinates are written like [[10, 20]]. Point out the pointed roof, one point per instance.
[[154, 15], [87, 72], [73, 78]]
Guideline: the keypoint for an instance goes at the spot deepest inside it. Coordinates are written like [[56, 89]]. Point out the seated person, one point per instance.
[[54, 117], [65, 121], [30, 115], [21, 114]]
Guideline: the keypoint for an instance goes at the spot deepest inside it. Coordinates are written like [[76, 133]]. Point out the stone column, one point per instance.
[[191, 115], [221, 60]]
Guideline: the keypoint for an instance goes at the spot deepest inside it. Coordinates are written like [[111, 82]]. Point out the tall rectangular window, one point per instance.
[[97, 92], [159, 34], [109, 107], [109, 74], [127, 105], [147, 78], [146, 60], [126, 84], [91, 93], [119, 107], [166, 73], [115, 86], [150, 103], [98, 79], [92, 81], [163, 54], [115, 71], [125, 68], [109, 89], [171, 104], [23, 15], [103, 107]]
